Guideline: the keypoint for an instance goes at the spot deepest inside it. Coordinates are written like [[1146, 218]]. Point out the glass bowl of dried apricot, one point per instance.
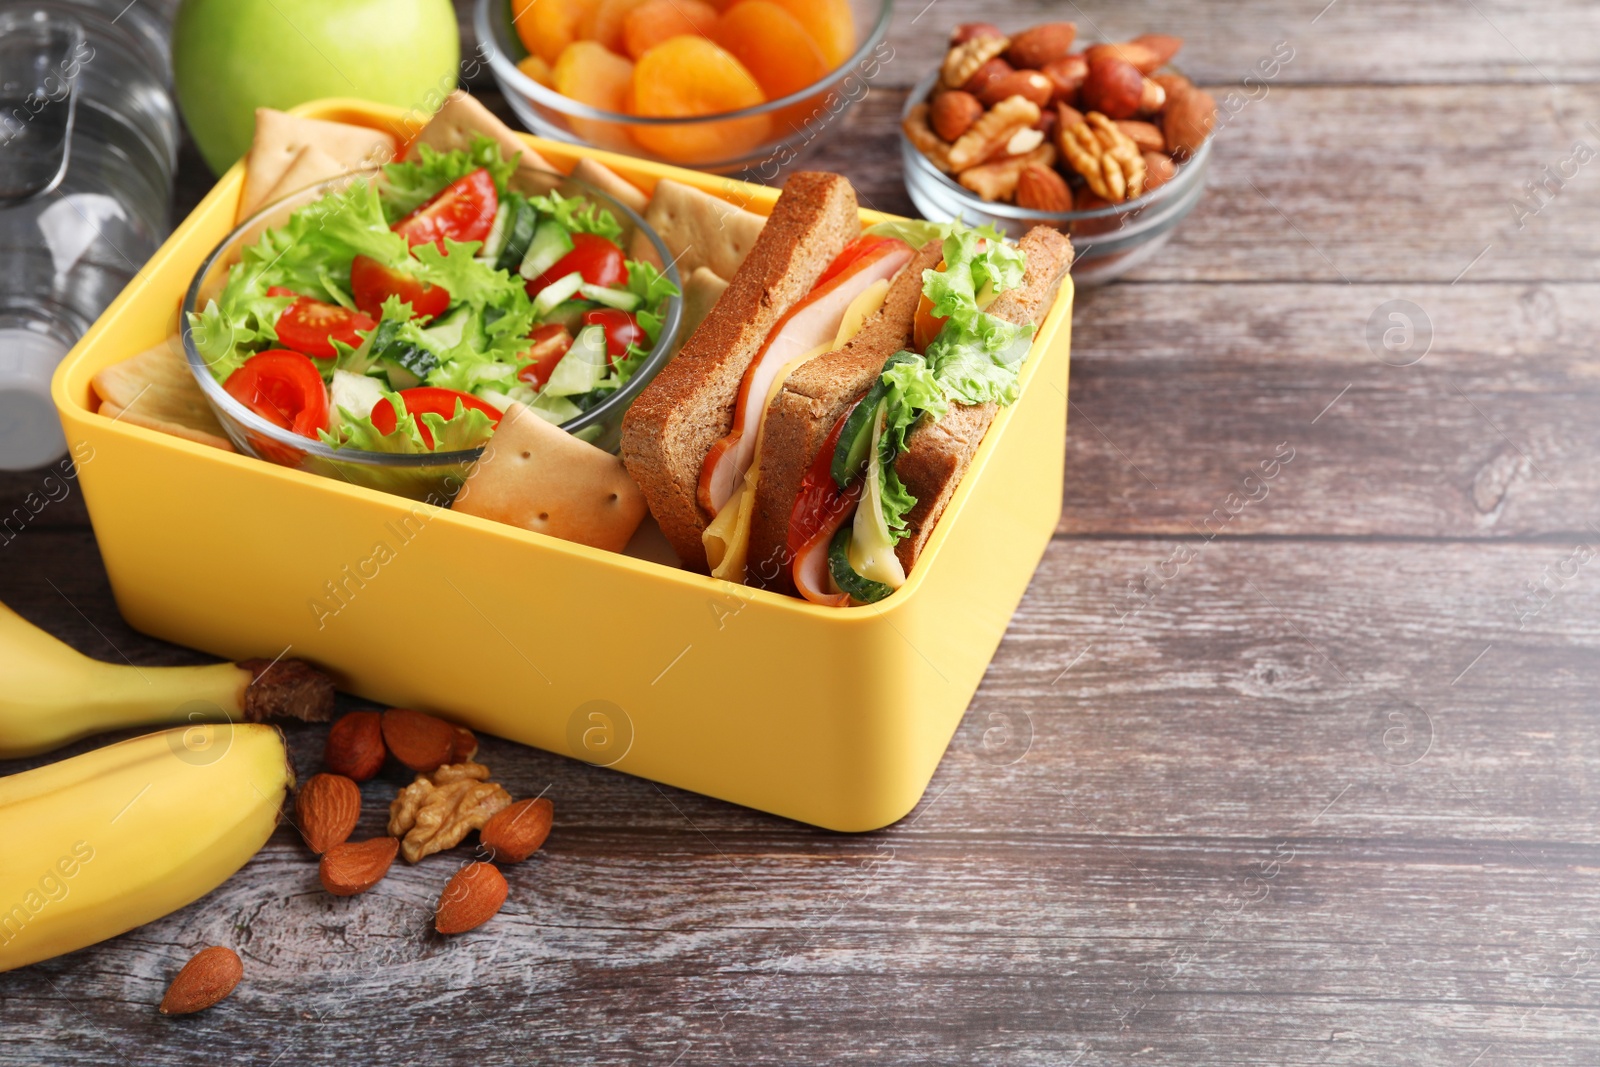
[[727, 86], [1103, 141]]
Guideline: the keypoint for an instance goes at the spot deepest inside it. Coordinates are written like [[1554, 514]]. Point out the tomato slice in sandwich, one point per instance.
[[820, 509]]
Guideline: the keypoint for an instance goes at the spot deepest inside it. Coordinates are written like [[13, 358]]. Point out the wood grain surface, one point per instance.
[[1289, 770]]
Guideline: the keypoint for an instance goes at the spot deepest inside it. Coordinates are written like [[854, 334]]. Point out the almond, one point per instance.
[[1067, 117], [1147, 135], [968, 30], [1067, 75], [1187, 121], [991, 69], [1144, 59], [211, 974], [953, 113], [356, 866], [466, 745], [470, 899], [1113, 87], [1158, 170], [1035, 47], [1161, 45], [355, 746], [1028, 84], [513, 834], [328, 807], [1040, 188], [420, 741]]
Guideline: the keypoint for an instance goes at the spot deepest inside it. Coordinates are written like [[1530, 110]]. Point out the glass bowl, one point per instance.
[[760, 142], [1107, 242], [431, 476]]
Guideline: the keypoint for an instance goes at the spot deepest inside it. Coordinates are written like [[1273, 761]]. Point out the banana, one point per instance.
[[106, 841], [51, 695]]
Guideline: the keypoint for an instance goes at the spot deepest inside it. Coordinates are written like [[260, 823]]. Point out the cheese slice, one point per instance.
[[727, 538]]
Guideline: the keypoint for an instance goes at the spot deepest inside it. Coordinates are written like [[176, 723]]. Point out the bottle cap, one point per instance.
[[30, 431]]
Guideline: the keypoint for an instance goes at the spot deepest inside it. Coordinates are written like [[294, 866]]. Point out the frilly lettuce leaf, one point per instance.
[[578, 215], [409, 185]]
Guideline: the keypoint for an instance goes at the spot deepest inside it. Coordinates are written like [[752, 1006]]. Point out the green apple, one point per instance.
[[230, 57]]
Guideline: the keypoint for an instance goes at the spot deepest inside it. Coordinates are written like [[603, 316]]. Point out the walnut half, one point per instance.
[[438, 810]]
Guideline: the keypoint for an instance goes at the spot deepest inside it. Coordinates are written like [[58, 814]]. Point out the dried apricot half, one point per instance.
[[772, 45], [592, 74], [548, 26], [688, 76], [830, 23], [656, 21], [604, 22]]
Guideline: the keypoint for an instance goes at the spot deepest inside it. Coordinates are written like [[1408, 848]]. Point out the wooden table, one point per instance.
[[1288, 771]]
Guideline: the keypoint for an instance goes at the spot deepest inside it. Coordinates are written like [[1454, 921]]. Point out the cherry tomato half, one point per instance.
[[622, 330], [550, 343], [860, 248], [425, 399], [311, 326], [600, 261], [462, 211], [283, 387], [371, 283]]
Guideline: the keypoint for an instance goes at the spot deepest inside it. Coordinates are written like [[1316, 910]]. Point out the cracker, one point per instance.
[[535, 475], [156, 389], [311, 166], [462, 119], [700, 230], [280, 137], [610, 182], [701, 292]]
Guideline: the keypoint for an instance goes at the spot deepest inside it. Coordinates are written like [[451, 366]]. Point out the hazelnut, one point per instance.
[[1152, 98], [1113, 87]]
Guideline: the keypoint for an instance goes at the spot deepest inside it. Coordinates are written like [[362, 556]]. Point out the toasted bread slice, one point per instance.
[[938, 452], [689, 406], [805, 410]]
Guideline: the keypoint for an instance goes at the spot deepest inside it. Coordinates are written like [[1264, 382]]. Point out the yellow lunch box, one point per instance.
[[835, 717]]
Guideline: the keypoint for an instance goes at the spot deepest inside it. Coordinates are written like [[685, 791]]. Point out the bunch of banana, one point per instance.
[[51, 695], [103, 842]]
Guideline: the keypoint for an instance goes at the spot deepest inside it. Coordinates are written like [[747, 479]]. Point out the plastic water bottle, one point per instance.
[[88, 143]]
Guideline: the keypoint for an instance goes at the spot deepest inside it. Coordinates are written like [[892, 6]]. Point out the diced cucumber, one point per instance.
[[583, 367], [861, 590], [568, 314], [561, 289], [405, 362], [550, 242], [621, 299], [447, 331], [354, 394], [520, 228], [490, 252]]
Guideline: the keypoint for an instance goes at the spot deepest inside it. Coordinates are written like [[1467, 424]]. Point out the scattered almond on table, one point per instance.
[[1023, 119]]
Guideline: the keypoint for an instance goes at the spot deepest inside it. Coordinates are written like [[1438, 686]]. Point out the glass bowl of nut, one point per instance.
[[1106, 142]]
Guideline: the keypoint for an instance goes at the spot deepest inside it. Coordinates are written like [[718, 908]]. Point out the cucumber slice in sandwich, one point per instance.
[[862, 590], [855, 440]]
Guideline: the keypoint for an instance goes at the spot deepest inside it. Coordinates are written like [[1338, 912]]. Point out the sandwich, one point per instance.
[[815, 426]]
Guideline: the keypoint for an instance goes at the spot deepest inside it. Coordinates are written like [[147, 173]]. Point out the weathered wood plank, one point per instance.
[[1180, 392], [1206, 849]]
